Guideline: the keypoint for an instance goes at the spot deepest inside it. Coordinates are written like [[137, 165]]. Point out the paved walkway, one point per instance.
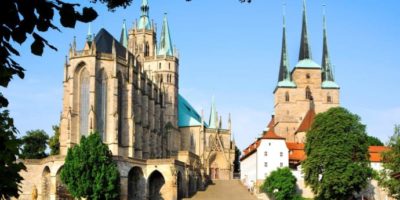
[[229, 190]]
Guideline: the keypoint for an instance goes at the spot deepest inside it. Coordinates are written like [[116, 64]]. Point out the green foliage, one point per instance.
[[374, 141], [54, 142], [391, 165], [281, 185], [89, 170], [236, 162], [9, 167], [337, 163], [34, 144]]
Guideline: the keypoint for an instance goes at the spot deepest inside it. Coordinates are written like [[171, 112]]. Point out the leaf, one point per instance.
[[42, 24], [67, 15], [10, 48], [88, 15], [37, 47], [19, 35]]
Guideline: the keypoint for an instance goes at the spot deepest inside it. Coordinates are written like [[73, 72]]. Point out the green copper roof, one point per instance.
[[286, 83], [187, 115], [165, 41], [307, 63], [124, 35], [327, 72], [213, 115], [144, 22], [305, 50], [284, 77], [329, 84], [89, 36]]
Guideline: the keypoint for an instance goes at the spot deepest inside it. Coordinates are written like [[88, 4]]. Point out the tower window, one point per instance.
[[308, 93], [287, 98], [308, 76], [169, 65], [329, 98]]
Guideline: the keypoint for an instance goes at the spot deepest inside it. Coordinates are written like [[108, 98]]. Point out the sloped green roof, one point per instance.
[[329, 84], [187, 115], [286, 83], [307, 63]]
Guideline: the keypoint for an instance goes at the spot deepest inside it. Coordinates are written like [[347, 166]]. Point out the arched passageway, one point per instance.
[[179, 184], [46, 181], [156, 182], [61, 189], [136, 184]]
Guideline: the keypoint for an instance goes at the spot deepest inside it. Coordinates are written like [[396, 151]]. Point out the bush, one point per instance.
[[281, 185]]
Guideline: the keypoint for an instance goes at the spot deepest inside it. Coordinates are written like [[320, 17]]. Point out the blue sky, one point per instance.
[[231, 51]]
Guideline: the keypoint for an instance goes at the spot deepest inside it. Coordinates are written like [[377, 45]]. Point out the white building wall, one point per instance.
[[276, 156], [248, 170]]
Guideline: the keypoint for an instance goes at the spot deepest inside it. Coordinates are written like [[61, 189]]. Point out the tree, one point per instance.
[[337, 163], [374, 141], [89, 170], [236, 162], [54, 142], [34, 144], [391, 165], [280, 185], [9, 166]]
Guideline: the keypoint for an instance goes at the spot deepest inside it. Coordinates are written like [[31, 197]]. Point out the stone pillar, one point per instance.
[[124, 188]]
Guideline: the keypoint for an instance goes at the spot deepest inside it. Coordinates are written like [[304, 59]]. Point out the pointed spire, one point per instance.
[[89, 36], [213, 115], [124, 35], [165, 41], [327, 74], [284, 66], [305, 50], [229, 122], [284, 77], [144, 22]]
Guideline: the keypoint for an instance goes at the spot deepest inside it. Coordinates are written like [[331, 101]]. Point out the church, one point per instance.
[[127, 90], [300, 93]]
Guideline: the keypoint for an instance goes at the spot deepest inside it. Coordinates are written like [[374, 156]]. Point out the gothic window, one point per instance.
[[287, 99], [159, 65], [308, 93], [329, 98], [146, 49], [210, 141], [101, 104], [169, 66], [120, 106], [84, 102]]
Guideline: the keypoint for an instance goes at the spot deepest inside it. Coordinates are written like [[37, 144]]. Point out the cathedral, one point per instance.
[[127, 90]]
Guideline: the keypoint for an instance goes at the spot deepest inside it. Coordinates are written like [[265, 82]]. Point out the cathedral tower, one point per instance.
[[307, 84]]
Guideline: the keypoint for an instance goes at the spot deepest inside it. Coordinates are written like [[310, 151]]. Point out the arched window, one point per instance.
[[146, 49], [84, 102], [169, 66], [329, 98], [308, 76], [308, 93], [287, 98], [101, 104], [159, 65], [120, 106]]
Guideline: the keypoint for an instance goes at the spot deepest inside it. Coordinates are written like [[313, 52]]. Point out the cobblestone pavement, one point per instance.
[[220, 190]]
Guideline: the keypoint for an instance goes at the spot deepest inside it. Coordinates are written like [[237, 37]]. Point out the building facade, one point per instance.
[[127, 90], [300, 94]]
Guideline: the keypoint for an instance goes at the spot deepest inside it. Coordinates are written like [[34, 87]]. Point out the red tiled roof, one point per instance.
[[375, 153], [250, 149], [307, 121], [270, 134]]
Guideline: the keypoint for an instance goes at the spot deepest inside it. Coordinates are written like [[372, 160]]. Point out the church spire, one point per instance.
[[144, 22], [213, 115], [305, 50], [328, 80], [165, 41], [327, 74], [124, 35], [284, 77], [89, 36]]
